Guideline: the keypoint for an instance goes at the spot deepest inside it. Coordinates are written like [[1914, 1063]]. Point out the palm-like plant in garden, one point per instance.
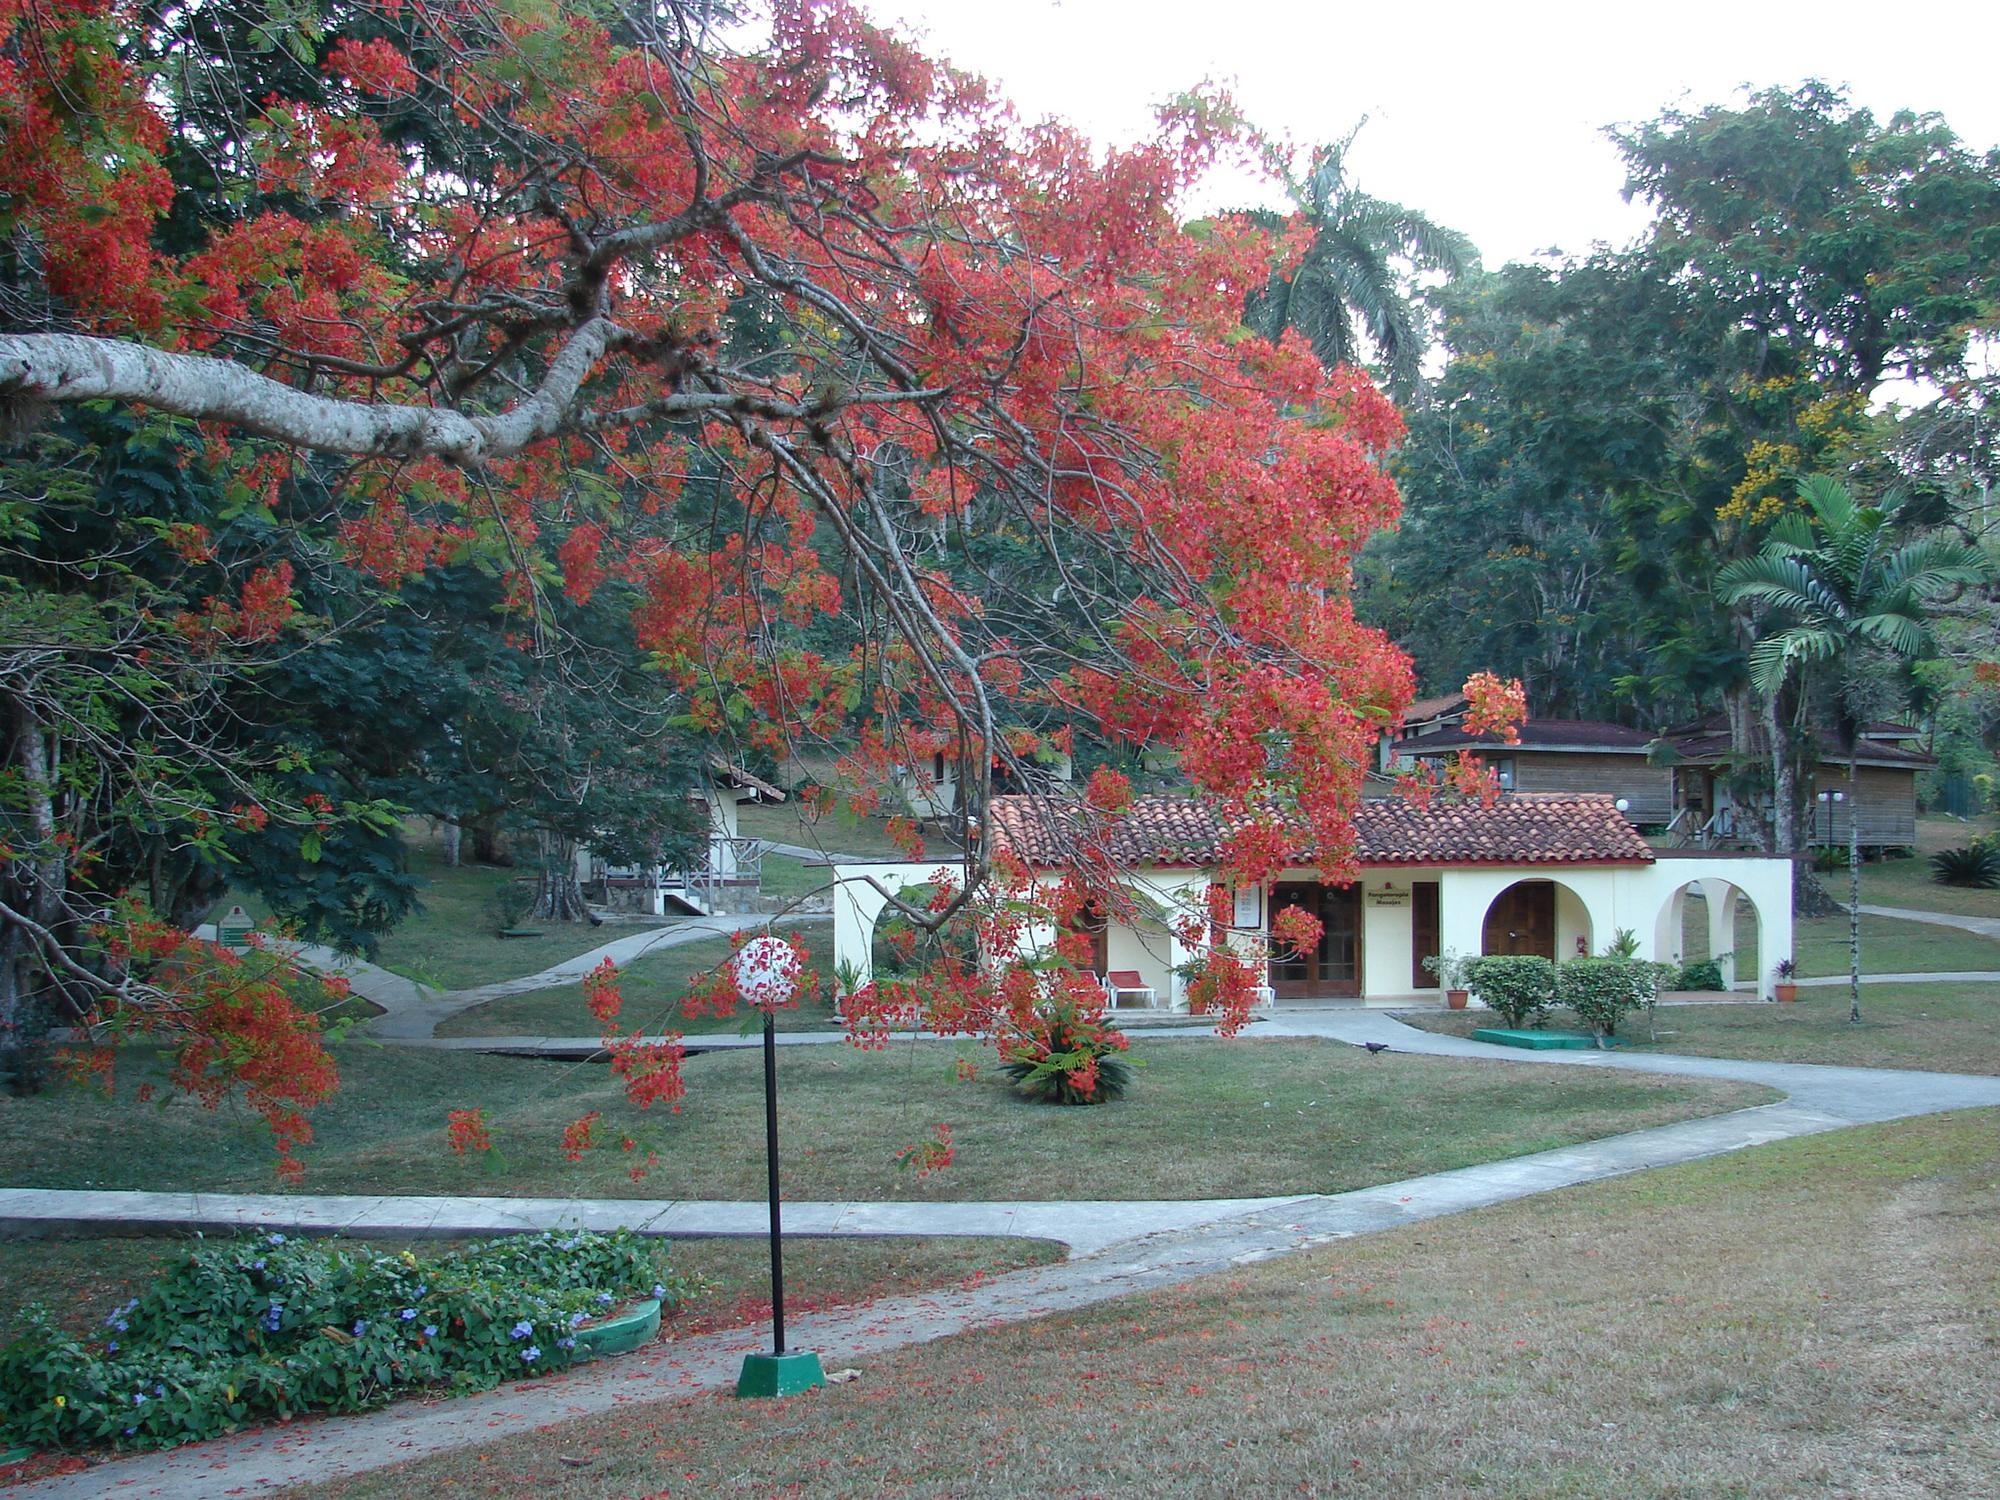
[[1841, 591], [1353, 282]]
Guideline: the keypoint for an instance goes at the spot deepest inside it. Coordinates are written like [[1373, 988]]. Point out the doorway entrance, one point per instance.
[[1522, 919], [1332, 971]]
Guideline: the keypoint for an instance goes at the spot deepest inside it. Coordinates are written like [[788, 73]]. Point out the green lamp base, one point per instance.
[[779, 1374]]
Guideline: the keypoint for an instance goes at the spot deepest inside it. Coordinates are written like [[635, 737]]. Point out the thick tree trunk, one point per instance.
[[487, 848], [1853, 895], [34, 886], [450, 840], [559, 894]]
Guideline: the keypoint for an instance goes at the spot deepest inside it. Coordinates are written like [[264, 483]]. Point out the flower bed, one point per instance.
[[242, 1331]]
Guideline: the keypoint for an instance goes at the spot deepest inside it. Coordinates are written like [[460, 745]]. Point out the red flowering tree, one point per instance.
[[791, 316]]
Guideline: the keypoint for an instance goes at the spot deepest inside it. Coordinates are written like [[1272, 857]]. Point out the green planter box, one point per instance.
[[622, 1334], [1534, 1041]]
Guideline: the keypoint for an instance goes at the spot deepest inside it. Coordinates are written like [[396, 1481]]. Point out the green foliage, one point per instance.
[[1603, 991], [511, 902], [1449, 968], [1359, 277], [1976, 864], [1703, 974], [1520, 986], [1063, 1056], [1624, 944], [241, 1331]]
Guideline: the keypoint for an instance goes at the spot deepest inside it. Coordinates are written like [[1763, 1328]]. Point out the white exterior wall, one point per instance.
[[1593, 903]]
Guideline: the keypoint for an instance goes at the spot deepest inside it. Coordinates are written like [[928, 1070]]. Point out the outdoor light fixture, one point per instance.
[[1622, 805], [767, 976]]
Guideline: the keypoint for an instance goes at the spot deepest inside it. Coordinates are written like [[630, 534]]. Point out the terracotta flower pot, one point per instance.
[[1457, 999], [1785, 991]]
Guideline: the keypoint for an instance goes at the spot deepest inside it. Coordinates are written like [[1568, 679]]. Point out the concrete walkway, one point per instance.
[[411, 1011], [1086, 1228], [1131, 1258], [1987, 927]]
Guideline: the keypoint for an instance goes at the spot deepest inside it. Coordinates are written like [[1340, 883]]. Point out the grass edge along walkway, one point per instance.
[[1835, 1098]]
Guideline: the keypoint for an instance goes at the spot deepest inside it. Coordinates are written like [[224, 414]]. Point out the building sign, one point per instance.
[[1389, 897], [1249, 907]]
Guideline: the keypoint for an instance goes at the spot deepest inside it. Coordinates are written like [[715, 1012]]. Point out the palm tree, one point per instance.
[[1354, 282], [1844, 593]]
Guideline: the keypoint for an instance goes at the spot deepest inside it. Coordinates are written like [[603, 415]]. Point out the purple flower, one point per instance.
[[604, 1298], [408, 1315], [360, 1327], [277, 1239], [530, 1354], [522, 1329], [430, 1330], [659, 1291]]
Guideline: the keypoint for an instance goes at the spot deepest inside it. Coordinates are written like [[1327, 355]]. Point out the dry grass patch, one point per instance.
[[1805, 1319]]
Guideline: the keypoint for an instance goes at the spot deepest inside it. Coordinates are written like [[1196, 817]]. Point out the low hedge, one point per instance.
[[1520, 986], [1603, 991], [242, 1331]]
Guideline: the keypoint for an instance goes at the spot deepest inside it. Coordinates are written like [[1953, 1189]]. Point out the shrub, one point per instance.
[[1518, 985], [1065, 1055], [512, 900], [1603, 991], [1704, 974], [240, 1331], [1976, 864]]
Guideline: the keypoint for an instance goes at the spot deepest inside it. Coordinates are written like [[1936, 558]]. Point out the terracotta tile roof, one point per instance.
[[1521, 829], [1542, 734]]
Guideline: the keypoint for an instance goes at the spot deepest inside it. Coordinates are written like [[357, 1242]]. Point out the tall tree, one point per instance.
[[1355, 289], [1843, 591], [614, 293]]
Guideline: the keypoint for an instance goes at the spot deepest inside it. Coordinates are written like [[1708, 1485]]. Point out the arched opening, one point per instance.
[[1710, 921], [1544, 918]]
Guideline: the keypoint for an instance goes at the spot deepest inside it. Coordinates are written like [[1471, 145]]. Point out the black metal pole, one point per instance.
[[771, 1159]]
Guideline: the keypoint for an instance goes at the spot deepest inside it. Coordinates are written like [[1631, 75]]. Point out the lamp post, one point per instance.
[[767, 976]]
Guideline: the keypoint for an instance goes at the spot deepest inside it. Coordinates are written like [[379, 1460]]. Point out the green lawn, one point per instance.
[[653, 988], [1908, 882], [453, 942], [1205, 1119], [838, 833], [1953, 1028], [1811, 1318], [1890, 945], [789, 879], [80, 1279]]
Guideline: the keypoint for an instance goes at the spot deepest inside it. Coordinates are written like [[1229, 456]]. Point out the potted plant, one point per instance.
[[1449, 968], [1785, 989]]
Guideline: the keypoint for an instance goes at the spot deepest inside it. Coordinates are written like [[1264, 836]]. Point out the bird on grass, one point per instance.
[[1376, 1049]]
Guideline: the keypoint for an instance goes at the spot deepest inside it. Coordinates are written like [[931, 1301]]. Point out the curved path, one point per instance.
[[1132, 1258], [411, 1011]]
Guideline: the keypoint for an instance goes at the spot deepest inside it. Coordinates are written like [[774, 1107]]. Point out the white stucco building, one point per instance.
[[1558, 875]]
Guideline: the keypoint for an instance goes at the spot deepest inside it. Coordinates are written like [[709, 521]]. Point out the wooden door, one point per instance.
[[1423, 932], [1333, 969], [1090, 921], [1522, 920]]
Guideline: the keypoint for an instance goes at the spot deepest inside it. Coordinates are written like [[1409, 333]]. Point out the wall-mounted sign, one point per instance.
[[1249, 907], [1389, 897]]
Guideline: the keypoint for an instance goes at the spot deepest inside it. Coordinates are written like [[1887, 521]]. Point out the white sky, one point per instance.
[[1487, 118]]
